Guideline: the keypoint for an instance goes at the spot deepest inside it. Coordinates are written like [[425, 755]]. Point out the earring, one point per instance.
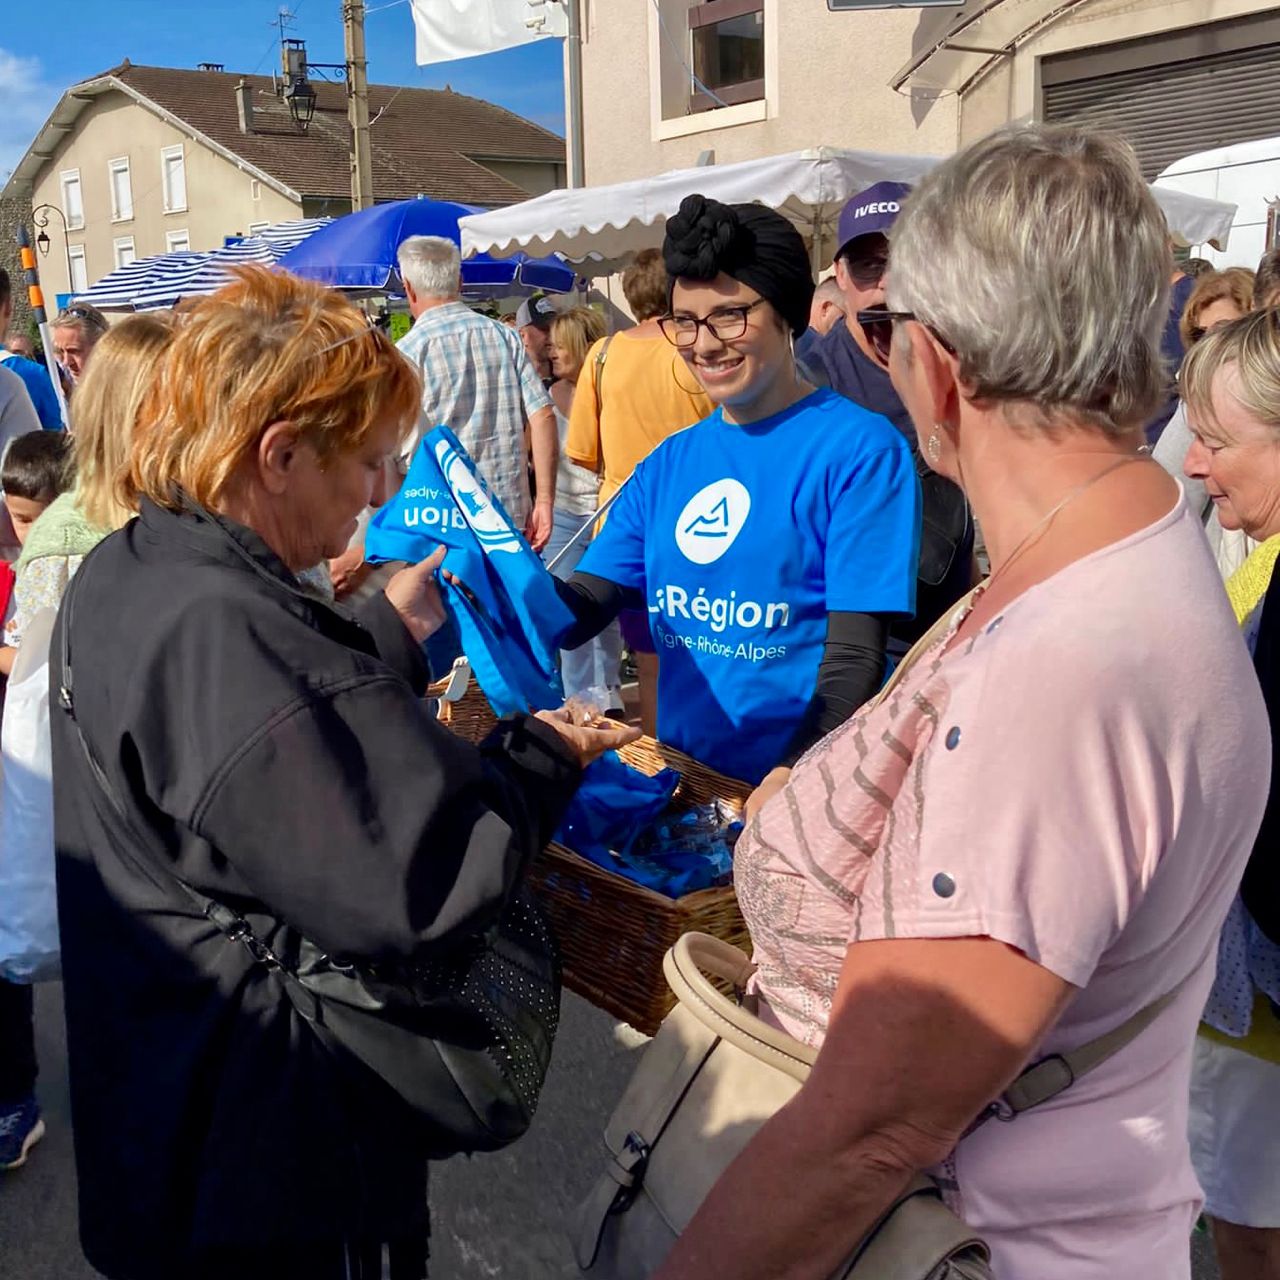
[[933, 446]]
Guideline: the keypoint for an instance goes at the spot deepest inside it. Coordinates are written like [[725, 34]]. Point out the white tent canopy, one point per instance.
[[601, 228], [610, 224]]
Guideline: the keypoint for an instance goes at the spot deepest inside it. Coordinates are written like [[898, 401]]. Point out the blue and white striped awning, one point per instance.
[[289, 235], [116, 291], [164, 280], [207, 274]]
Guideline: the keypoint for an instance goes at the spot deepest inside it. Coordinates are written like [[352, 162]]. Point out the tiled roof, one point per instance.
[[423, 139]]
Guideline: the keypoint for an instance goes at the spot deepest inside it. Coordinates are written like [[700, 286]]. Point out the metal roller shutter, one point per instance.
[[1188, 102]]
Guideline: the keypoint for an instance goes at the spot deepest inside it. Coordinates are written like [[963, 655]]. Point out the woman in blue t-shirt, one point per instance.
[[772, 542]]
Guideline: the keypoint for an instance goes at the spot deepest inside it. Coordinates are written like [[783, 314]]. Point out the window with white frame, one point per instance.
[[177, 241], [257, 228], [79, 268], [255, 189], [121, 189], [173, 177], [72, 199], [124, 251]]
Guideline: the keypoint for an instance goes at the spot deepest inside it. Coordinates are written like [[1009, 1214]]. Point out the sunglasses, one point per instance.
[[878, 323], [866, 272], [79, 313], [372, 329]]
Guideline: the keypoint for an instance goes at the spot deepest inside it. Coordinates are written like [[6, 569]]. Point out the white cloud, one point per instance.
[[25, 102]]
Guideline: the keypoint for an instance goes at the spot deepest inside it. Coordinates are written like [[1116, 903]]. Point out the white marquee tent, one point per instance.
[[601, 228]]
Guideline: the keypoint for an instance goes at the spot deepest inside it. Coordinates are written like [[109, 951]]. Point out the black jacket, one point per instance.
[[280, 755], [1261, 887]]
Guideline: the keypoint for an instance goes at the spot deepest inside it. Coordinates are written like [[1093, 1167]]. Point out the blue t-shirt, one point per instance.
[[742, 539], [39, 388]]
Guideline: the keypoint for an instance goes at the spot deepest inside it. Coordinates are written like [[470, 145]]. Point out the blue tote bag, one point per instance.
[[509, 617]]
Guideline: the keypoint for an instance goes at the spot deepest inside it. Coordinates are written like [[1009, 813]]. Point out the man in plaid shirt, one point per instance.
[[478, 381]]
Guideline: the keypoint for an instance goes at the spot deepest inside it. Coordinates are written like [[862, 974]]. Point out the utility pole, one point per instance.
[[358, 104], [573, 93]]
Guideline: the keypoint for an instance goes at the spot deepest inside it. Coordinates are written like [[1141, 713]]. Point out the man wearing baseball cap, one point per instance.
[[852, 368], [862, 265], [533, 323]]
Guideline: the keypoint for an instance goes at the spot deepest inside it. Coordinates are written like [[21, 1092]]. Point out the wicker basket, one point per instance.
[[613, 932], [470, 716]]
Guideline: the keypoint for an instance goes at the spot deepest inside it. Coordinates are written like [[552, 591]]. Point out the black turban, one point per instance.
[[748, 242]]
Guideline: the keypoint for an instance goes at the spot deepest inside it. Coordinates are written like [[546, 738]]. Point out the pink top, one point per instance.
[[1084, 781]]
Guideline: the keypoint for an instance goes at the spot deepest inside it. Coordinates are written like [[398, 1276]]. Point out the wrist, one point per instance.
[[544, 504], [420, 631]]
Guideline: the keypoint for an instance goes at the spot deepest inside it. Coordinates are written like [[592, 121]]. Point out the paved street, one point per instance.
[[495, 1216]]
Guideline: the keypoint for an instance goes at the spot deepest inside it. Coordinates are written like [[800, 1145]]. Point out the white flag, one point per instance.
[[449, 29]]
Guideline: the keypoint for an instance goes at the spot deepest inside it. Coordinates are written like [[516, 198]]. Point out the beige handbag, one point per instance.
[[712, 1076]]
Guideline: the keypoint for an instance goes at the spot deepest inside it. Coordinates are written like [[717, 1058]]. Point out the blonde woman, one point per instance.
[[108, 400], [594, 664], [1232, 390], [1218, 298], [106, 409]]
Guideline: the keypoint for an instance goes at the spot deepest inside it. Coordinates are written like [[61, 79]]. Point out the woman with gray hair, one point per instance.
[[1032, 842]]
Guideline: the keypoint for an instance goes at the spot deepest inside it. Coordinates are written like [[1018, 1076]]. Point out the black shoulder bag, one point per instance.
[[463, 1037]]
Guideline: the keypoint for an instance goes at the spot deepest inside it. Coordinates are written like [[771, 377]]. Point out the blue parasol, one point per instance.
[[359, 251]]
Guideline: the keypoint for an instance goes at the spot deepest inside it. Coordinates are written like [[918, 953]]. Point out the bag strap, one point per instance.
[[228, 922], [1050, 1076], [601, 356], [697, 954], [923, 645], [686, 965]]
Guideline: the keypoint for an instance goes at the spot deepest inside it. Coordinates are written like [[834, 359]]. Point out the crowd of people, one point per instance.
[[1055, 829]]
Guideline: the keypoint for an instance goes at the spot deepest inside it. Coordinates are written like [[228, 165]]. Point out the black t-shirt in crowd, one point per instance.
[[837, 361], [851, 372]]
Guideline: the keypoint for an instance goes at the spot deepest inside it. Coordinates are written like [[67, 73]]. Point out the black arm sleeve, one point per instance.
[[594, 602], [851, 671]]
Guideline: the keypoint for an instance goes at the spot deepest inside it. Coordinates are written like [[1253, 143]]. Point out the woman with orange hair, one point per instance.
[[244, 764]]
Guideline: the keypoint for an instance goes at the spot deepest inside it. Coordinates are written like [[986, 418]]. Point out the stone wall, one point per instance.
[[12, 212]]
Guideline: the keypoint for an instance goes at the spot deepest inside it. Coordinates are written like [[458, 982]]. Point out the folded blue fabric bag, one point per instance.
[[509, 618]]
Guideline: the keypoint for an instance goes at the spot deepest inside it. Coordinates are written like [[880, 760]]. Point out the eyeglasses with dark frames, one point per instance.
[[724, 323], [878, 325]]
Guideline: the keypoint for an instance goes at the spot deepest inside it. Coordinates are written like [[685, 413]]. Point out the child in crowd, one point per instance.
[[37, 468]]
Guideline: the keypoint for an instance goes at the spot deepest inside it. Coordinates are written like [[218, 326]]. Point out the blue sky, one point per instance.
[[49, 49]]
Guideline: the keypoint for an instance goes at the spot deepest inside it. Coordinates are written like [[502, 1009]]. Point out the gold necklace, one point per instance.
[[1049, 515]]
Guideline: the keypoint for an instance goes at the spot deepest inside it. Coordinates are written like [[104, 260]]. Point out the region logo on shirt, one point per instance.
[[491, 531], [711, 521]]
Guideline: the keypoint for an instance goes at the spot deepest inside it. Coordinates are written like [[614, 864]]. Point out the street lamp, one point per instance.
[[40, 216], [301, 100]]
